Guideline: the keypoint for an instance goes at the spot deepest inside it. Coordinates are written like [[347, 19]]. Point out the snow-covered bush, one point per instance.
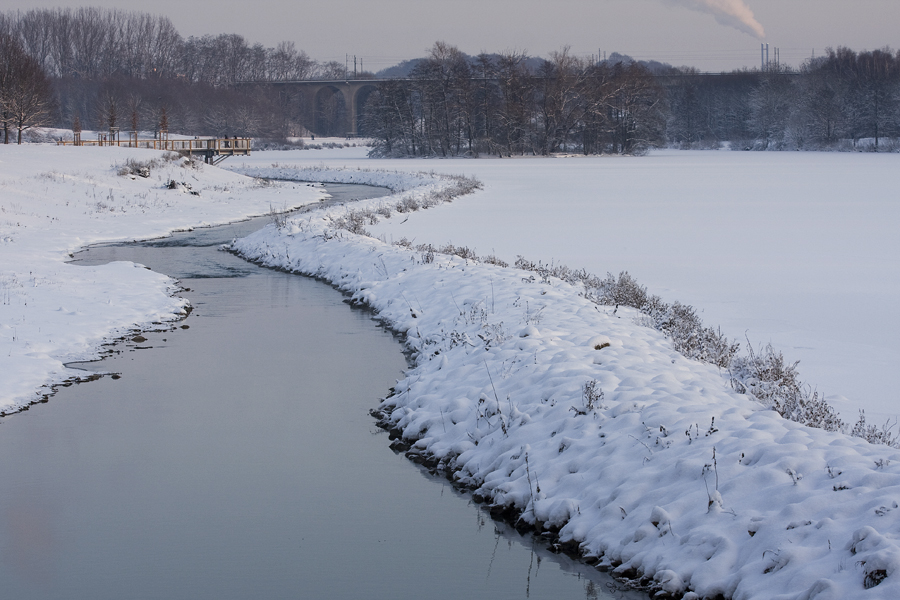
[[407, 204], [681, 323], [774, 383], [355, 221], [451, 187], [279, 217], [591, 397], [143, 167], [625, 291], [875, 435]]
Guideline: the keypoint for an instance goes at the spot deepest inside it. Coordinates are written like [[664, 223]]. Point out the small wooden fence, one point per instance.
[[213, 150]]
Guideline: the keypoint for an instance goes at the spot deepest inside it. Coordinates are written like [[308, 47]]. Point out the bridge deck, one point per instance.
[[213, 150]]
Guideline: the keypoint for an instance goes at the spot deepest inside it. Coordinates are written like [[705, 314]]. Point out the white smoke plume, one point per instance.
[[733, 13]]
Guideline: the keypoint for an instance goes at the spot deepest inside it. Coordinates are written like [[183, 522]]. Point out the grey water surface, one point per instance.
[[234, 457]]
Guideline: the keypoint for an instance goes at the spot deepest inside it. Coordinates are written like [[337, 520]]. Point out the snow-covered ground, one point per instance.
[[571, 413], [797, 249]]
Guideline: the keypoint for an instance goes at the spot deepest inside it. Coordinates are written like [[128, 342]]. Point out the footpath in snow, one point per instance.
[[578, 420]]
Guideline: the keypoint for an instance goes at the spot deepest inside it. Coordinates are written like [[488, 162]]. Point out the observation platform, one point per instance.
[[213, 150]]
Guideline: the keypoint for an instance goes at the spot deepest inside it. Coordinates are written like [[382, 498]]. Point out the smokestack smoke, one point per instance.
[[732, 13]]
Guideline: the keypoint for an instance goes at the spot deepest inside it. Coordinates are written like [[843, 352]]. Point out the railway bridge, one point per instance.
[[336, 105]]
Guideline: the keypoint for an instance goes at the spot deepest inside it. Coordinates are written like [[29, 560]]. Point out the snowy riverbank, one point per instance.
[[55, 201], [583, 420]]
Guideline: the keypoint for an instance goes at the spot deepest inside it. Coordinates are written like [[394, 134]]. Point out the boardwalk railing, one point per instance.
[[212, 149]]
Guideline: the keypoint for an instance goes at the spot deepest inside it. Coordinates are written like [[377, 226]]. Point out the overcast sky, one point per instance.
[[682, 32]]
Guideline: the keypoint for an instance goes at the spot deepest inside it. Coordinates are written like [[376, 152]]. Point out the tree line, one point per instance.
[[98, 43], [840, 100], [452, 104], [107, 68], [115, 68]]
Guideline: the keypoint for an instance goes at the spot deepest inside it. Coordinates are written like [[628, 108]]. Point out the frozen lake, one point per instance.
[[236, 458]]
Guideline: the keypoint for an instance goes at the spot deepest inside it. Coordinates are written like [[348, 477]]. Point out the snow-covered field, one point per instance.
[[573, 414], [797, 249]]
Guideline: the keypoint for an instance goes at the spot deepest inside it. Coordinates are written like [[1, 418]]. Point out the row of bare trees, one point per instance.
[[453, 105], [833, 101], [98, 43], [114, 68]]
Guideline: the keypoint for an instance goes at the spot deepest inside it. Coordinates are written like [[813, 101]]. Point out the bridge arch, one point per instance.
[[360, 98], [330, 111]]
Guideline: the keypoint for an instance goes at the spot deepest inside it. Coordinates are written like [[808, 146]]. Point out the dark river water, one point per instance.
[[235, 458]]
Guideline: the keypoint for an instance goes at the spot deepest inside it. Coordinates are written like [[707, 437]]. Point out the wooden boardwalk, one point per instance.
[[213, 150]]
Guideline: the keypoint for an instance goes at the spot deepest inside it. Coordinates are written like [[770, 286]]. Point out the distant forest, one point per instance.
[[100, 69]]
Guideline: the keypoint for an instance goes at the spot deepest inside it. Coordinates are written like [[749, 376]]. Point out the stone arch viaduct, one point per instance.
[[336, 104]]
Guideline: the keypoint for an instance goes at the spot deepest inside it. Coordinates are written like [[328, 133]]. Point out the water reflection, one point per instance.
[[236, 459]]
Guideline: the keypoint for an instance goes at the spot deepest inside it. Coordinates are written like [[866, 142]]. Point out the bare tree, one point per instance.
[[636, 108], [133, 105], [390, 118], [10, 52], [770, 105], [444, 81], [561, 96], [25, 90], [878, 74], [331, 70], [109, 108], [286, 63], [515, 104]]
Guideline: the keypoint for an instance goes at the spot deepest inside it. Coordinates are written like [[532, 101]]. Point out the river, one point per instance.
[[233, 456]]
